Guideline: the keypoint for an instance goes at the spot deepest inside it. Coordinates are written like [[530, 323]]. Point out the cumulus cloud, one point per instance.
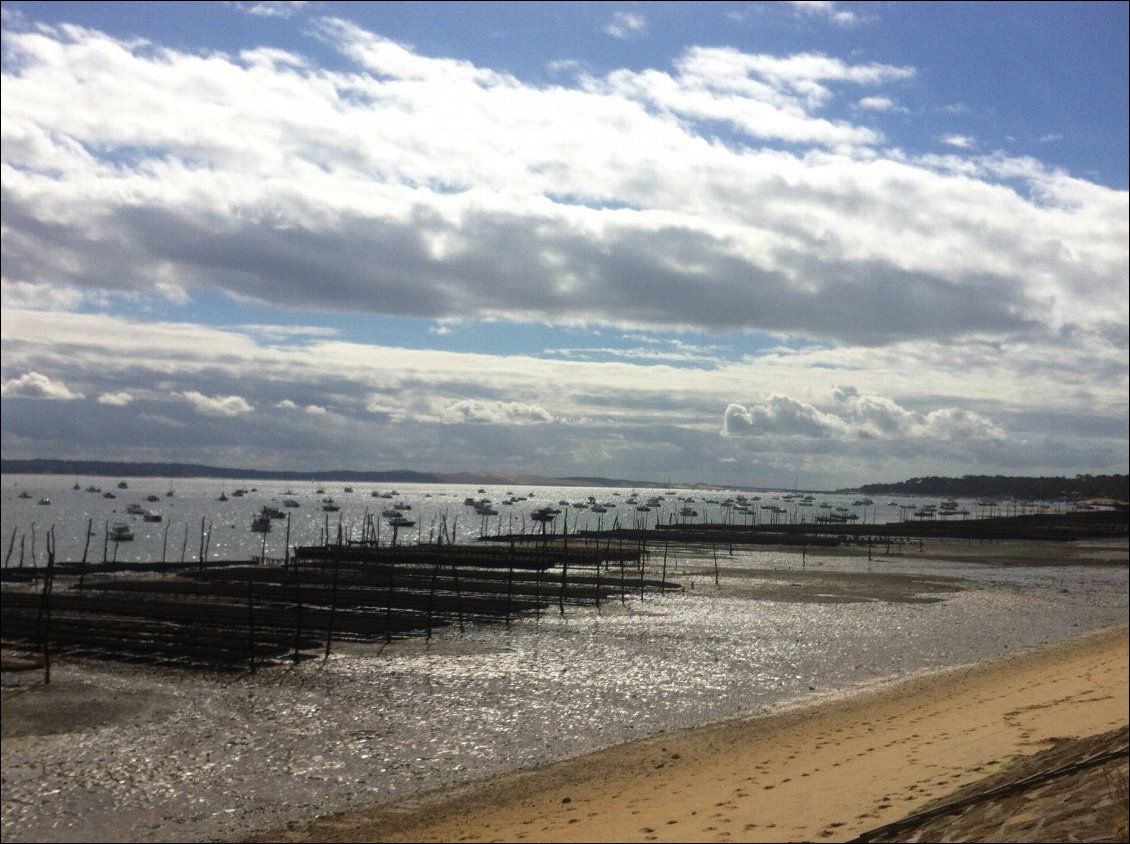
[[854, 415], [474, 411], [119, 399], [33, 385], [218, 406]]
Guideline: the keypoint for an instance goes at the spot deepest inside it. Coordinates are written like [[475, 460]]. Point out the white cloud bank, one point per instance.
[[432, 187], [855, 416]]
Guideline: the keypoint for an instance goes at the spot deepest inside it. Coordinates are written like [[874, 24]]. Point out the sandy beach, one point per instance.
[[824, 772]]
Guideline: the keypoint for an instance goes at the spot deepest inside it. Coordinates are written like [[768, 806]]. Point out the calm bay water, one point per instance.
[[194, 506]]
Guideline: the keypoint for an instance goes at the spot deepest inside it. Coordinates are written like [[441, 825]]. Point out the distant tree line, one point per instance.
[[1115, 487]]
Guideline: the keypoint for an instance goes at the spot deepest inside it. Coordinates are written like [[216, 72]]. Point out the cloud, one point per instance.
[[827, 10], [959, 141], [310, 409], [536, 210], [272, 8], [495, 413], [854, 416], [736, 224], [779, 415], [878, 104], [626, 25], [426, 405], [119, 399], [33, 385], [218, 406]]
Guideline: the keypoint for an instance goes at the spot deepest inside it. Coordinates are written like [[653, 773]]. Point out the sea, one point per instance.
[[751, 630], [81, 511]]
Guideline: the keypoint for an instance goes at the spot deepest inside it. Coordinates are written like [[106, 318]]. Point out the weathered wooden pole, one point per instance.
[[333, 607], [251, 624], [11, 545], [391, 588], [43, 624], [564, 581], [458, 594], [86, 545], [200, 556], [509, 588], [432, 597], [297, 609], [286, 546]]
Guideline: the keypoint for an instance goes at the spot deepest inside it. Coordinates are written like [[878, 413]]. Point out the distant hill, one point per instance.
[[103, 468], [1114, 487]]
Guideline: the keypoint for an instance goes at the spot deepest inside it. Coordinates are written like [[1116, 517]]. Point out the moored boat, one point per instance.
[[120, 532]]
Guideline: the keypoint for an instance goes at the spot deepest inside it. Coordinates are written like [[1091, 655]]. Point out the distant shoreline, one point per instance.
[[1098, 487], [106, 468]]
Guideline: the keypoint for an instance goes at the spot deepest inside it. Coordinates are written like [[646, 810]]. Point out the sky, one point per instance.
[[776, 244]]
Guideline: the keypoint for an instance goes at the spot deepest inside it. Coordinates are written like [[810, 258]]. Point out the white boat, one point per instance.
[[152, 516], [135, 510]]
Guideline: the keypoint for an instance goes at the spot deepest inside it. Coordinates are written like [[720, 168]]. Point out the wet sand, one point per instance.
[[825, 772]]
